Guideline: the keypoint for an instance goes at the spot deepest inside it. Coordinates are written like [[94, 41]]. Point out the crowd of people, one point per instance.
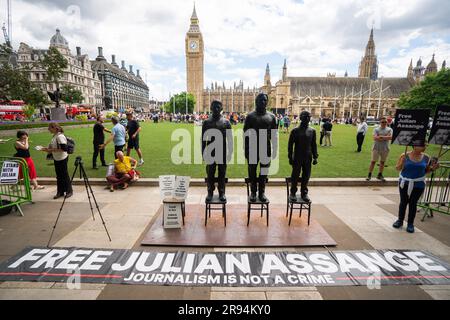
[[413, 166]]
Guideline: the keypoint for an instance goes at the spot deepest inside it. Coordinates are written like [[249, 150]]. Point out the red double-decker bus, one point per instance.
[[12, 110]]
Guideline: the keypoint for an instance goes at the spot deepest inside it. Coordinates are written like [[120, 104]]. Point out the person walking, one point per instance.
[[382, 136], [58, 149], [134, 129], [363, 127], [118, 136], [22, 146], [414, 166], [99, 139]]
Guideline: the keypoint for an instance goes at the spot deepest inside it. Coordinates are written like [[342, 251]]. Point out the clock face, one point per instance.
[[193, 45]]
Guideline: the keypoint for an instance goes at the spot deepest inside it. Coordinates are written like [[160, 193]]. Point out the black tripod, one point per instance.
[[89, 191]]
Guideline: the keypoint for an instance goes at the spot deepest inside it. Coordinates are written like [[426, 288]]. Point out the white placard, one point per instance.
[[173, 216], [182, 187], [167, 186], [10, 173]]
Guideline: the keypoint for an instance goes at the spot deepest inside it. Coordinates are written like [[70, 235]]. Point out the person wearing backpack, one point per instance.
[[60, 148]]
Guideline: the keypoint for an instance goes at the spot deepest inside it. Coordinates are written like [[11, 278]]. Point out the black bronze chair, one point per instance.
[[257, 205], [216, 205], [297, 204]]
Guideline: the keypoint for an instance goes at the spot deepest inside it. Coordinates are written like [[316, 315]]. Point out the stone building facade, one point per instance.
[[122, 89], [78, 73]]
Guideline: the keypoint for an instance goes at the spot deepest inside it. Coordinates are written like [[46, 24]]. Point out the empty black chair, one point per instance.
[[297, 204], [257, 205], [216, 205]]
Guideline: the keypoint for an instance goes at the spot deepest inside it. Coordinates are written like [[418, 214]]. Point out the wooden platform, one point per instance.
[[237, 234]]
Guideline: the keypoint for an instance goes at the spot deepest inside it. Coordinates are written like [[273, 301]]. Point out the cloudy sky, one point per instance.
[[241, 36]]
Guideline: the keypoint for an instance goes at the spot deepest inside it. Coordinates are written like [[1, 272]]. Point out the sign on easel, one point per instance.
[[440, 133], [174, 191], [10, 173], [173, 215]]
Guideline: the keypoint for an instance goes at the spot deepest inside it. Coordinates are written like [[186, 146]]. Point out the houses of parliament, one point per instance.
[[331, 96]]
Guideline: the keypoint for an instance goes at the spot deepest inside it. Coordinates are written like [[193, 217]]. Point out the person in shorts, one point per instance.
[[382, 136], [133, 130]]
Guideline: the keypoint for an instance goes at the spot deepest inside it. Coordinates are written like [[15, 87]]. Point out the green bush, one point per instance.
[[109, 115], [82, 117]]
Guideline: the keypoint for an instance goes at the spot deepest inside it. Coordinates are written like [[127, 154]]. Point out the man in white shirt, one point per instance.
[[363, 127]]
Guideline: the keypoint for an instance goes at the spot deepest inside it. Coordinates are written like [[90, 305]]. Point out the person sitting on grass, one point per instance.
[[124, 172]]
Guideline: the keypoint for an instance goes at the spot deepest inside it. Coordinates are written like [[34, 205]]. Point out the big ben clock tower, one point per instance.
[[195, 61]]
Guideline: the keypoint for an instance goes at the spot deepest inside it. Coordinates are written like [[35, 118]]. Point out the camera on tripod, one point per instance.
[[78, 161]]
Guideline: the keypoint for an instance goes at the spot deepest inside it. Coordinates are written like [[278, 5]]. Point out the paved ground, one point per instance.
[[357, 218]]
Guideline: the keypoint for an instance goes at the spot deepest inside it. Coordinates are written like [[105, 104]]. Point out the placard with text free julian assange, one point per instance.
[[221, 269]]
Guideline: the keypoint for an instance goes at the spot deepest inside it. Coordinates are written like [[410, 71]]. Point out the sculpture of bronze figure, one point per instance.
[[216, 136], [55, 97], [261, 143], [302, 154]]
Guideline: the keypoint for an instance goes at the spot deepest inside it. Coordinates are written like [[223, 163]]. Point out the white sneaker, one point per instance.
[[141, 162]]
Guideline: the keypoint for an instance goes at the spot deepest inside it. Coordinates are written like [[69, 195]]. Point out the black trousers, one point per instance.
[[303, 168], [255, 182], [97, 151], [360, 140], [211, 172], [117, 149], [409, 201], [322, 135], [62, 177]]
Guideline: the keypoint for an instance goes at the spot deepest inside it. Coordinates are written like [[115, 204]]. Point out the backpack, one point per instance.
[[70, 145]]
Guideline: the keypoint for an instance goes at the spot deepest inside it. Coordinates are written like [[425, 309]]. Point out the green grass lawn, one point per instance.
[[339, 161]]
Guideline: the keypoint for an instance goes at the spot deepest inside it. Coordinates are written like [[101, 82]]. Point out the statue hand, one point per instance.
[[315, 162]]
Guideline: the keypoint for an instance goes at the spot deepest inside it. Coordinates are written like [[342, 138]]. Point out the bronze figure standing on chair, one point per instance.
[[261, 145], [216, 136], [302, 155]]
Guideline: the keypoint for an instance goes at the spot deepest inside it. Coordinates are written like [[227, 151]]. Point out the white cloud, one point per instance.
[[316, 36]]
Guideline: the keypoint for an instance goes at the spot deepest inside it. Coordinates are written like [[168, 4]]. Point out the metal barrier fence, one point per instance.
[[14, 195], [437, 194]]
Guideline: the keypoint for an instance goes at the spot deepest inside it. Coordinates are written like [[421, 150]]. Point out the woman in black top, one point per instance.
[[23, 151]]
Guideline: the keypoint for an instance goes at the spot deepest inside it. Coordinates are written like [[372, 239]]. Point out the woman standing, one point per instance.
[[23, 151], [414, 167], [58, 149]]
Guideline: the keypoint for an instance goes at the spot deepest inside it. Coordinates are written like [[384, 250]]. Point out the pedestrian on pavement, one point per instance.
[[118, 136], [99, 139], [133, 130], [414, 166], [23, 151], [363, 127], [382, 136], [58, 149]]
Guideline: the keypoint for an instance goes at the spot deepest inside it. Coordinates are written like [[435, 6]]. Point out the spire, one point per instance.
[[194, 18], [267, 69], [444, 65], [346, 74], [285, 71], [194, 28]]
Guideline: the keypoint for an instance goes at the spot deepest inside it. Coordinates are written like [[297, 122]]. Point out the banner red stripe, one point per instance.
[[60, 275]]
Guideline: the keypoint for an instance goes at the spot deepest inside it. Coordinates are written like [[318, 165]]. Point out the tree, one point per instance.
[[54, 64], [28, 111], [16, 85], [71, 95], [180, 103], [432, 92]]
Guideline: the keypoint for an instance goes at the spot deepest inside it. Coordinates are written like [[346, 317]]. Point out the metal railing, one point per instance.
[[436, 197], [14, 195]]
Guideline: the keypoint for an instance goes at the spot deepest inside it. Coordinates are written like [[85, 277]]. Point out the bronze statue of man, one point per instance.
[[217, 148], [261, 143], [302, 153]]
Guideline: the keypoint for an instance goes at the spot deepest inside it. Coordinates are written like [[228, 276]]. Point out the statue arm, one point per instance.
[[291, 146], [275, 138], [230, 142]]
